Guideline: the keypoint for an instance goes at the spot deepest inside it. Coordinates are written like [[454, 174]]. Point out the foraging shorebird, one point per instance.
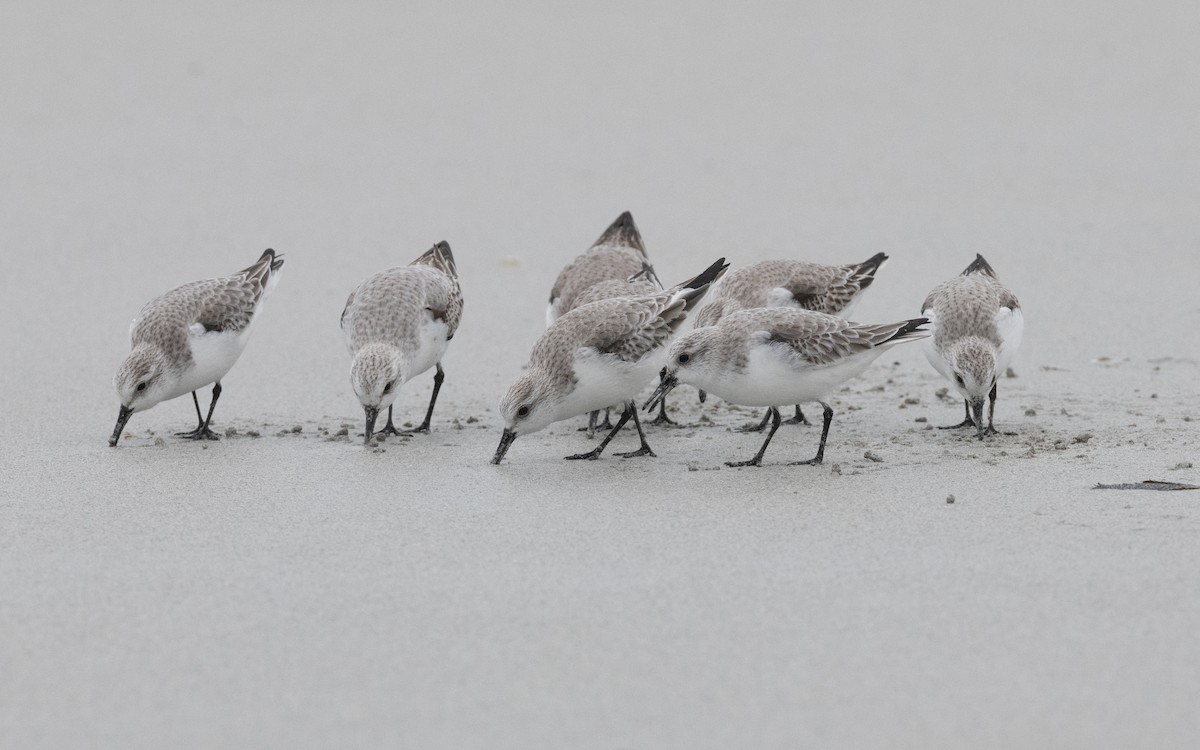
[[397, 324], [602, 353], [834, 290], [189, 337], [977, 326], [779, 355]]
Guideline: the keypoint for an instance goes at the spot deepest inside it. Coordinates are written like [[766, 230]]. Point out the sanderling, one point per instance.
[[616, 265], [977, 327], [779, 355], [635, 286], [397, 324], [190, 337], [789, 283], [617, 255], [596, 355]]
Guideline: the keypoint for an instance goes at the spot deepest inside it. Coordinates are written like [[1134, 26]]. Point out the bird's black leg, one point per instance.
[[824, 434], [799, 418], [593, 418], [202, 432], [389, 428], [967, 421], [199, 415], [991, 429], [438, 377], [756, 426], [662, 418], [773, 413], [593, 454], [644, 450]]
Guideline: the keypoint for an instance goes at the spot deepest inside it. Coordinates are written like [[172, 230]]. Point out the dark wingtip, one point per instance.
[[709, 275], [864, 273], [439, 256], [623, 232], [979, 265], [873, 263], [276, 259], [911, 327]]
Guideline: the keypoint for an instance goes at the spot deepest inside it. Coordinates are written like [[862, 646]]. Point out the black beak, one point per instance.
[[505, 440], [122, 418], [977, 416], [703, 395], [372, 414], [668, 382]]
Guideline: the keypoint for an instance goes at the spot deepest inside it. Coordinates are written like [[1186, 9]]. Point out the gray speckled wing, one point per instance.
[[818, 338], [599, 264], [966, 305], [443, 300], [628, 328], [612, 289], [225, 305], [388, 306], [827, 289]]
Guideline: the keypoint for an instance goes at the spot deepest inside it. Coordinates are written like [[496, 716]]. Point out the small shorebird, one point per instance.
[[977, 327], [190, 337], [397, 324], [616, 265], [777, 355], [834, 290], [617, 255], [596, 355]]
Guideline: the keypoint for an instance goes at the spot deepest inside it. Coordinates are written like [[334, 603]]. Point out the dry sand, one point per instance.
[[294, 589]]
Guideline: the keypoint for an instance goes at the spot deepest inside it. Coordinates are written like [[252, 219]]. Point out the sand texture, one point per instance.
[[287, 587]]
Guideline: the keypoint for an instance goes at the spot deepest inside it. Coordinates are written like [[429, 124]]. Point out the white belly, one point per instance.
[[213, 354], [603, 381], [772, 378]]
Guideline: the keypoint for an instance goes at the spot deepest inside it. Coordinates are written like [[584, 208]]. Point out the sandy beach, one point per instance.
[[289, 587]]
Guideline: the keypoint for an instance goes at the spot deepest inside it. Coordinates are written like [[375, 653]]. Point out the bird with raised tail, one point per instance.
[[602, 353], [397, 324], [190, 337], [616, 265], [834, 290], [779, 355], [977, 326], [617, 255]]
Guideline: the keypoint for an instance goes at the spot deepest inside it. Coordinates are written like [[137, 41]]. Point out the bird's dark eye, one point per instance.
[[523, 411], [388, 388], [684, 358], [958, 378], [141, 386]]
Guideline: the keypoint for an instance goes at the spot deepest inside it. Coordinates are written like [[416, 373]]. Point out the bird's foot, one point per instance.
[[200, 433], [809, 462], [662, 420], [591, 455], [756, 461], [964, 423], [643, 451]]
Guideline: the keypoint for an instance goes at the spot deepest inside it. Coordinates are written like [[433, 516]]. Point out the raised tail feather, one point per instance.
[[692, 290], [261, 269], [979, 265], [624, 233], [865, 271], [440, 257], [910, 329]]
